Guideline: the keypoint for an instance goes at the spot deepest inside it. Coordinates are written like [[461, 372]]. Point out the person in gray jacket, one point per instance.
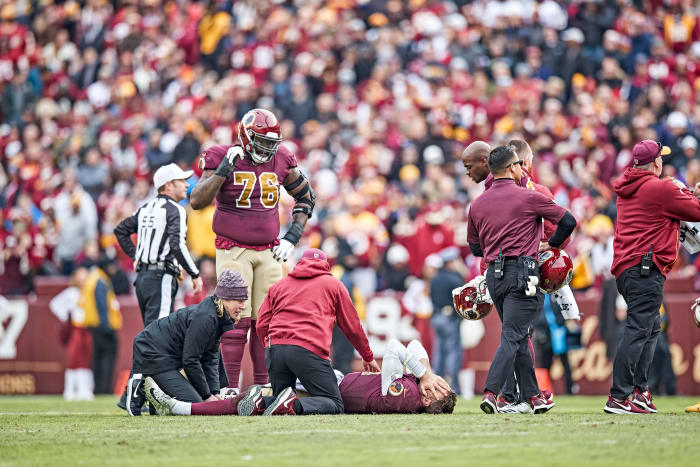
[[188, 340]]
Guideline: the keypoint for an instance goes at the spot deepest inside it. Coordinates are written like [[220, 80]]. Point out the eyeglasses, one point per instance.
[[519, 162]]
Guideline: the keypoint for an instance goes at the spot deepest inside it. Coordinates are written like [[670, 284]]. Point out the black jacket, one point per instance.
[[188, 339], [441, 289]]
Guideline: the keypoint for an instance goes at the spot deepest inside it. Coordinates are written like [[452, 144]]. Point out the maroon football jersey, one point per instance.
[[362, 393], [246, 205]]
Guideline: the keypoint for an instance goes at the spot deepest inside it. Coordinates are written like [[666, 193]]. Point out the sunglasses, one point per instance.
[[518, 162]]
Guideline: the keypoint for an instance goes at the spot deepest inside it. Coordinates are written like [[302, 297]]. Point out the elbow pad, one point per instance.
[[305, 199]]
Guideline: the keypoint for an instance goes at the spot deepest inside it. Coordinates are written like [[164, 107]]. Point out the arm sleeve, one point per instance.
[[476, 249], [349, 323], [210, 365], [262, 326], [101, 302], [566, 225], [198, 339], [177, 231], [679, 203], [123, 232]]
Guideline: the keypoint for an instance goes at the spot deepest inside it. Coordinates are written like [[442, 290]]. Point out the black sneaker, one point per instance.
[[135, 396], [122, 400]]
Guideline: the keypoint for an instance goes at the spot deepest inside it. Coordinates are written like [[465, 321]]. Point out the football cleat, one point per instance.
[[252, 402], [522, 407], [643, 400], [135, 395], [489, 403], [283, 405], [162, 402], [502, 402], [541, 405], [622, 407]]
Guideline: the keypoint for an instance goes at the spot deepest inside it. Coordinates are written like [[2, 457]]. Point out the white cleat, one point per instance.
[[522, 407], [162, 402]]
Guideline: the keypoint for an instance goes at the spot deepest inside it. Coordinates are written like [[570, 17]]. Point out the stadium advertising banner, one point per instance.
[[32, 358]]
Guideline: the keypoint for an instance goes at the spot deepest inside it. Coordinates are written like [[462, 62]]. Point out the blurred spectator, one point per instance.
[[447, 350], [103, 319], [78, 383]]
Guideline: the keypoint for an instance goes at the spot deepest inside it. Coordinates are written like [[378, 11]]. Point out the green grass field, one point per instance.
[[48, 431]]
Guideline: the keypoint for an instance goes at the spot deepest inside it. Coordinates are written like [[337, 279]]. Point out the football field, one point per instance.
[[49, 431]]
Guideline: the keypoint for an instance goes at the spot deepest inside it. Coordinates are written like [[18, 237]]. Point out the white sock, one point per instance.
[[181, 408], [85, 384]]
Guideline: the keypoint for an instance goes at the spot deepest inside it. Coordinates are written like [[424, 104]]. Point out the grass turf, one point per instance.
[[42, 430]]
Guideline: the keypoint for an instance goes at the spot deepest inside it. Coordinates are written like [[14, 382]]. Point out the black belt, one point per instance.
[[507, 258]]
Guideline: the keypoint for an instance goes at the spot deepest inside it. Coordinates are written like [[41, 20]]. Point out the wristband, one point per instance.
[[294, 233]]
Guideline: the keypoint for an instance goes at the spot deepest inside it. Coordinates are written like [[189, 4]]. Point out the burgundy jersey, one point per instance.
[[362, 393], [246, 205]]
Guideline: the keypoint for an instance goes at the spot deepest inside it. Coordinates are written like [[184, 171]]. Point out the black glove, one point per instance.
[[229, 161]]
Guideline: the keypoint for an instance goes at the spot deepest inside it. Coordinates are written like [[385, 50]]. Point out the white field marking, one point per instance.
[[247, 457]]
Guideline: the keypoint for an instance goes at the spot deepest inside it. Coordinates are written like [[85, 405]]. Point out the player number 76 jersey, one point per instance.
[[246, 205]]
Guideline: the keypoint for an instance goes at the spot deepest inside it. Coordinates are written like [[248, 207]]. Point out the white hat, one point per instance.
[[434, 261], [168, 173], [677, 119], [573, 35], [689, 142], [397, 254]]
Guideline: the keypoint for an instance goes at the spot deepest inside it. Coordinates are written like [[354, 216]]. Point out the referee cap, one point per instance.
[[168, 173]]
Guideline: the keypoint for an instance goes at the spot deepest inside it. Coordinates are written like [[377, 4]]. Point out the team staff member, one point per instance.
[[245, 180], [187, 340], [475, 161], [649, 211], [161, 225], [505, 227], [296, 327], [415, 389]]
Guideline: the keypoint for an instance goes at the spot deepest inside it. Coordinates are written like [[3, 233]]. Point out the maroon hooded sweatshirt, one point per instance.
[[649, 211], [302, 308]]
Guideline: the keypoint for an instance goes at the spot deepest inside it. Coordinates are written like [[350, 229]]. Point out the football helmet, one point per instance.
[[696, 311], [556, 270], [472, 301], [260, 135]]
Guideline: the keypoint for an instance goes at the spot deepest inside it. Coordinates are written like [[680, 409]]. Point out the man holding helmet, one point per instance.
[[245, 179], [505, 227], [649, 211]]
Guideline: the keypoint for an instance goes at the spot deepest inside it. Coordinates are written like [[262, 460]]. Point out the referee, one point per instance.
[[505, 227], [161, 225]]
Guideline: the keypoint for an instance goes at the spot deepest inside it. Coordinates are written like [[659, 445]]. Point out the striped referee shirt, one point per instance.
[[161, 225]]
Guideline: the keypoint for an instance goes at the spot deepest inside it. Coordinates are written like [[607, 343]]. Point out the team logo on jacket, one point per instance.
[[396, 388]]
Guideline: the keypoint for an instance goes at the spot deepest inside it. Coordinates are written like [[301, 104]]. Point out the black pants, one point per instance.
[[104, 355], [175, 385], [155, 291], [517, 312], [661, 373], [635, 351], [286, 363], [511, 388]]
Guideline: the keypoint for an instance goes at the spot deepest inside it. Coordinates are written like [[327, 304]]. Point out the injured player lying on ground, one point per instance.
[[406, 384]]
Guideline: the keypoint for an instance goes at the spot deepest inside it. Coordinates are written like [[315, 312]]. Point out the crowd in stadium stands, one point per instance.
[[377, 99]]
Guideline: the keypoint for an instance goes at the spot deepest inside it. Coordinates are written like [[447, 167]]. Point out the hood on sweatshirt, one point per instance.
[[630, 181], [310, 267]]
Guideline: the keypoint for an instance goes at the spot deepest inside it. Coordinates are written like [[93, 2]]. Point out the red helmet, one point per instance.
[[472, 300], [556, 270], [260, 134]]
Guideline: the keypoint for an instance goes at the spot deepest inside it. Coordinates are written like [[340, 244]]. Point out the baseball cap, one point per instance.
[[168, 173], [314, 253], [646, 151]]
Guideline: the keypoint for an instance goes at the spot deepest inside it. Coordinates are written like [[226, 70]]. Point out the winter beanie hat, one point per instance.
[[231, 286]]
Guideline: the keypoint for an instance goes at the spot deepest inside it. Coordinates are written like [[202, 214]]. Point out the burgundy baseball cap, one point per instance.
[[314, 253], [648, 150]]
